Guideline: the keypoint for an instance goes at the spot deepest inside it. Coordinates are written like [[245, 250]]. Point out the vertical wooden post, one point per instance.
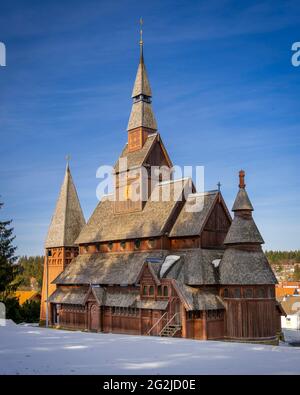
[[184, 322]]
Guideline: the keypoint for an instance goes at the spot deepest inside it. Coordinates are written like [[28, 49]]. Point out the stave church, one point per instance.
[[157, 267]]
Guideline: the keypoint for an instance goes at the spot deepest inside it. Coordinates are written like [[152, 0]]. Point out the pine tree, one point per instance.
[[8, 268]]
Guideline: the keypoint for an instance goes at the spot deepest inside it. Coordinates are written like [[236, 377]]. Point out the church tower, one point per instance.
[[246, 278], [144, 150], [141, 121], [66, 224]]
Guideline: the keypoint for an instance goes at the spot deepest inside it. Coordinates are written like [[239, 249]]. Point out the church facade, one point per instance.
[[155, 266]]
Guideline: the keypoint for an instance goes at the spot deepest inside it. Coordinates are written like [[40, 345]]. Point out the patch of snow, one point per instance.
[[25, 350], [216, 262], [168, 263]]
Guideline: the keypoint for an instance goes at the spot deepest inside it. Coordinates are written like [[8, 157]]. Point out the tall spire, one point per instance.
[[67, 220], [141, 112]]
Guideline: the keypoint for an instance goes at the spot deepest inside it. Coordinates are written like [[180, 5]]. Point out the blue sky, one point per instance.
[[225, 96]]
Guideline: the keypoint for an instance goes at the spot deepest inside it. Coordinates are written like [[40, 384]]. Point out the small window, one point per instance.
[[237, 293], [110, 245], [151, 290], [145, 290], [248, 293], [159, 291], [261, 293], [123, 245], [225, 293], [166, 291], [137, 243], [151, 243]]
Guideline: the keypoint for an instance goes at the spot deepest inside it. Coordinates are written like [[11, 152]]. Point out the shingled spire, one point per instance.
[[68, 219], [243, 261], [141, 121], [243, 228]]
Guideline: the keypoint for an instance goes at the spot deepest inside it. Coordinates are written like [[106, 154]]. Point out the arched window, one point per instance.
[[145, 290], [159, 291]]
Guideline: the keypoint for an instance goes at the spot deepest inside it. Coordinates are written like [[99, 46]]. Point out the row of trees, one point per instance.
[[30, 272], [283, 256]]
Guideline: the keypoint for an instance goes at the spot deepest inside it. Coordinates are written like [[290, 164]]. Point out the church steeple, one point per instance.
[[141, 121], [68, 219]]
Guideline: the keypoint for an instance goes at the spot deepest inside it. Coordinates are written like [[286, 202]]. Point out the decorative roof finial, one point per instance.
[[242, 179], [219, 186], [141, 37]]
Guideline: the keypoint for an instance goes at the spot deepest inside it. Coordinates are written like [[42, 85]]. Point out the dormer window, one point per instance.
[[166, 290]]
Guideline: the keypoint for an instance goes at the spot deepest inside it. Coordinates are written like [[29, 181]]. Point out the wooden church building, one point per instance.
[[158, 266]]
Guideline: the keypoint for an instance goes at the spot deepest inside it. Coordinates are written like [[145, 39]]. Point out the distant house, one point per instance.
[[285, 288], [291, 306], [25, 296]]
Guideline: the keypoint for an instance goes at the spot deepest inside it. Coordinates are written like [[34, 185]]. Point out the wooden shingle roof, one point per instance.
[[152, 221], [198, 299], [194, 214], [243, 230], [245, 267], [68, 219]]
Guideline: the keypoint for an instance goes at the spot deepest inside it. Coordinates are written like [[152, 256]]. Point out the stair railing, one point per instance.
[[157, 322], [168, 323]]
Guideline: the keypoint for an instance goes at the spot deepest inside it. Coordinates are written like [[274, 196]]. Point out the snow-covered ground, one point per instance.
[[33, 350]]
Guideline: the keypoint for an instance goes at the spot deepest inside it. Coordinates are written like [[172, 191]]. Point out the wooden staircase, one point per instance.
[[170, 330]]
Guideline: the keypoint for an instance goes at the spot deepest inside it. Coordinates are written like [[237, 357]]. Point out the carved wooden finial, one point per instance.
[[141, 31], [242, 179], [219, 186]]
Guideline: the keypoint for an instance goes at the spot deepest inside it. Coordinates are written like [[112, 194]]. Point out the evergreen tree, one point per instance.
[[8, 268]]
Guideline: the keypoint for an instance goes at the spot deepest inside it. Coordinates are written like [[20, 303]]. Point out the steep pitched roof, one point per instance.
[[243, 230], [242, 201], [68, 219], [141, 113], [194, 214], [152, 221], [245, 267], [141, 83], [141, 116]]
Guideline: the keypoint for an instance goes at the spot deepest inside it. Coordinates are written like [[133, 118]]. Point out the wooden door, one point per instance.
[[94, 318]]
